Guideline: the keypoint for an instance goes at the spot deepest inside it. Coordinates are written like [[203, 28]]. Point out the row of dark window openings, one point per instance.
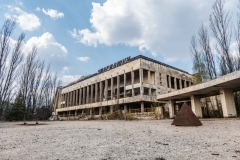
[[179, 83], [92, 99], [74, 98]]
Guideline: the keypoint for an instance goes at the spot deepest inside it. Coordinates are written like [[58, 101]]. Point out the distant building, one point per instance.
[[132, 84]]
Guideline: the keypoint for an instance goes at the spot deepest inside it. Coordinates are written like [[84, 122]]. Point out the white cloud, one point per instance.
[[54, 14], [66, 79], [83, 59], [160, 27], [49, 50], [65, 68], [38, 9], [27, 21], [19, 3]]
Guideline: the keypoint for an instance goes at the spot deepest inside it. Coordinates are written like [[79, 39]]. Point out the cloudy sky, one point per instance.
[[78, 37]]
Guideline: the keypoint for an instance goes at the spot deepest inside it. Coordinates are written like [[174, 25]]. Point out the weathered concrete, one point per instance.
[[228, 104], [196, 106], [141, 80], [171, 108], [223, 86]]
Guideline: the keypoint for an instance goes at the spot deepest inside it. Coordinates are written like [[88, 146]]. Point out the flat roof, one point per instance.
[[210, 88], [132, 59]]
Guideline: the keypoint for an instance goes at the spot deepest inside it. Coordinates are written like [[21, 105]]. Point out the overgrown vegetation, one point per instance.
[[24, 78], [211, 49]]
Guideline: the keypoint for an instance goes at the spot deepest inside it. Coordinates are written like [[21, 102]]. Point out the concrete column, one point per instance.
[[185, 84], [228, 104], [84, 95], [74, 95], [125, 108], [91, 111], [87, 101], [149, 82], [91, 99], [142, 107], [169, 81], [111, 109], [124, 84], [106, 89], [111, 87], [132, 76], [175, 83], [96, 91], [67, 100], [76, 98], [76, 113], [80, 96], [118, 89], [64, 98], [100, 110], [171, 108], [196, 106], [180, 83], [101, 91], [82, 111], [70, 99], [141, 80]]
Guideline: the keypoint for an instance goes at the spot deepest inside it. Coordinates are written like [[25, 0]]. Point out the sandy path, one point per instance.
[[120, 140]]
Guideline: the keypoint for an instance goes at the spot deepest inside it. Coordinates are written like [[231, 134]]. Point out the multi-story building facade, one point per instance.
[[132, 84]]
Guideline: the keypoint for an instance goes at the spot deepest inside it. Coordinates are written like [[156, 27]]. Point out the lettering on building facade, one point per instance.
[[114, 65]]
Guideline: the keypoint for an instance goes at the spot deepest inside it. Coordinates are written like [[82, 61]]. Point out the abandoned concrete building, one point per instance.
[[132, 84]]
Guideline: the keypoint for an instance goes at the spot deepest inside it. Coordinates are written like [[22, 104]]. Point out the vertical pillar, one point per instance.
[[132, 76], [82, 111], [125, 108], [124, 84], [196, 106], [111, 87], [111, 109], [169, 81], [73, 103], [141, 80], [87, 101], [84, 95], [96, 91], [171, 108], [100, 110], [76, 113], [64, 96], [228, 104], [180, 83], [175, 83], [91, 110], [106, 89], [149, 82], [101, 91], [118, 89], [67, 99], [77, 97], [91, 94], [142, 107], [71, 98], [185, 83], [80, 96]]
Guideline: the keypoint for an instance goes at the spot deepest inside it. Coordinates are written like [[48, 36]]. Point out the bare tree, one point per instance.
[[37, 85], [198, 64], [8, 72], [206, 52], [222, 32]]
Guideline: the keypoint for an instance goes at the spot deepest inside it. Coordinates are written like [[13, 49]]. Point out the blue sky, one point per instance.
[[78, 37]]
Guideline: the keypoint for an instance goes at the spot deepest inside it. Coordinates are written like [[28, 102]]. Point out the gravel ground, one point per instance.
[[62, 140]]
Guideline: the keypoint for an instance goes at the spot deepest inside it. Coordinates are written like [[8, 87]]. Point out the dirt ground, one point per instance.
[[153, 139]]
